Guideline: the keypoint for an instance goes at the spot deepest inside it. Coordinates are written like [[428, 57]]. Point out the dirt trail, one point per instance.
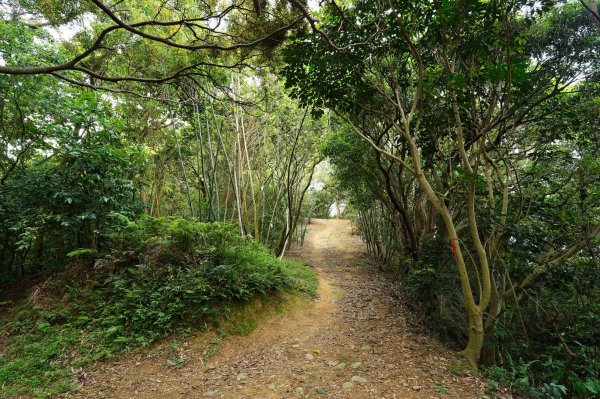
[[355, 341]]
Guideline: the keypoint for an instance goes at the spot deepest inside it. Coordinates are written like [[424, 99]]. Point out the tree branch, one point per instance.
[[554, 258]]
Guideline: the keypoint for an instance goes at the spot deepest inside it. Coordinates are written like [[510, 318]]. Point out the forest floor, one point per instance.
[[355, 341]]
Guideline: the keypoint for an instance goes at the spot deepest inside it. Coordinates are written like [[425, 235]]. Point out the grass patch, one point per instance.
[[161, 276], [243, 327], [246, 318]]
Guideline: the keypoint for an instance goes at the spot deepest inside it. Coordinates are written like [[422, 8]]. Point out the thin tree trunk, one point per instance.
[[185, 179]]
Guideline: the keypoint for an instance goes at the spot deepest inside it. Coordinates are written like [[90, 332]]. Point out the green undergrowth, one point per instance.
[[244, 319], [161, 275]]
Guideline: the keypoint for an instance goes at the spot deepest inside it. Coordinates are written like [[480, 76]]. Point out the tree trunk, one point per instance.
[[476, 335]]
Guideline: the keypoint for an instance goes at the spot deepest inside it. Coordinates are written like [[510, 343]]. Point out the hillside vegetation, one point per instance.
[[162, 275]]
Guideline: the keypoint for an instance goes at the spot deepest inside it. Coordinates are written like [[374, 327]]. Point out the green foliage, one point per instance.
[[37, 358], [518, 376], [163, 275], [320, 201], [567, 302], [59, 193], [432, 284], [83, 253]]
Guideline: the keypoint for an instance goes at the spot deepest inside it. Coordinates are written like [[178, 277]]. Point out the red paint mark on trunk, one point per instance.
[[453, 243]]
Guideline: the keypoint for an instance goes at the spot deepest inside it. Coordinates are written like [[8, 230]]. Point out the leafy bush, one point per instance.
[[163, 275], [534, 363], [432, 285], [567, 302]]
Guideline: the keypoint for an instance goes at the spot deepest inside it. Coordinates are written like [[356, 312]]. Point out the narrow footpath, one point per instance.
[[356, 341]]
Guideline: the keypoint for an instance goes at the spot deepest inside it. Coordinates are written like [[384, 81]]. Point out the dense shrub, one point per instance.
[[559, 315], [563, 316], [162, 275]]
